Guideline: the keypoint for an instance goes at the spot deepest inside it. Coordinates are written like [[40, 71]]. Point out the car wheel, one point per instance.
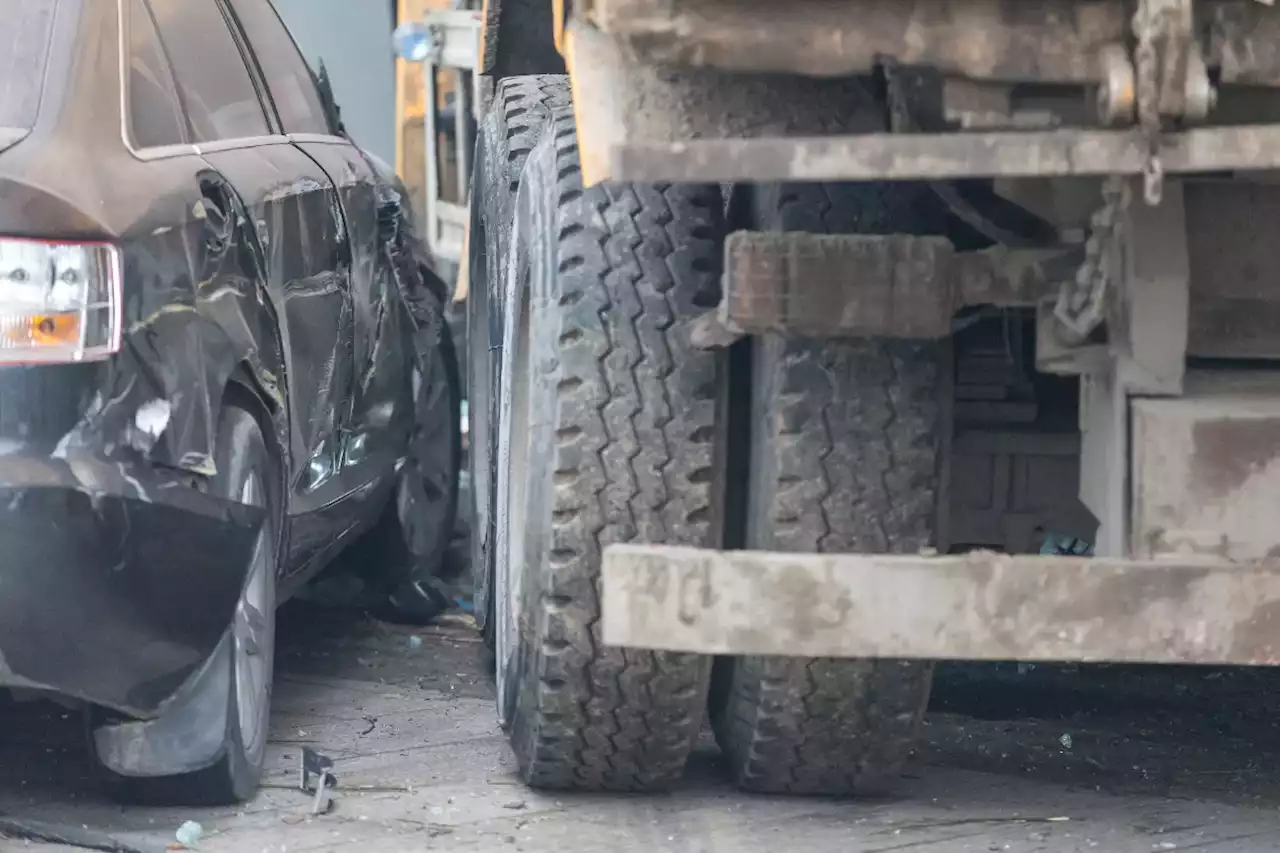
[[418, 526], [608, 433], [242, 667]]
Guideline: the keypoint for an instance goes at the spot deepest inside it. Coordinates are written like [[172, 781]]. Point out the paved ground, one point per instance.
[[1121, 760]]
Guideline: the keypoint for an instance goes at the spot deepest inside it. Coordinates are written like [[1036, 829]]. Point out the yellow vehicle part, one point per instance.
[[411, 151]]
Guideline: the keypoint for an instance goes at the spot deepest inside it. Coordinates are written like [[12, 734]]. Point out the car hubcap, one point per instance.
[[254, 630]]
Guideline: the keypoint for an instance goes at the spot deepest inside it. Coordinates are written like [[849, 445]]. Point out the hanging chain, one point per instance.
[[1163, 45], [1082, 302], [1148, 29], [1146, 74]]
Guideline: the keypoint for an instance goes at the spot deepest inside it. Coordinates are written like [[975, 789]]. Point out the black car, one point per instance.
[[222, 360]]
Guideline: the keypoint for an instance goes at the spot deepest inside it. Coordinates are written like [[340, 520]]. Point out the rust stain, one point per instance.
[[1110, 598], [803, 600], [655, 581], [696, 593], [1162, 541], [1229, 451]]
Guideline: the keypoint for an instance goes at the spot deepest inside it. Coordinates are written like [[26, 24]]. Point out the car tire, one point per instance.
[[247, 472], [512, 127], [406, 550], [845, 443], [609, 432]]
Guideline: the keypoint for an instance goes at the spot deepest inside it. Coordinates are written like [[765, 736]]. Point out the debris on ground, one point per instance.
[[1062, 545], [189, 834], [1066, 741], [321, 766]]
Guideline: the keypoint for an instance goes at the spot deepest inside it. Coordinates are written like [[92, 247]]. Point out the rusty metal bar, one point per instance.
[[982, 606], [1004, 154], [875, 285], [1055, 41], [1048, 41]]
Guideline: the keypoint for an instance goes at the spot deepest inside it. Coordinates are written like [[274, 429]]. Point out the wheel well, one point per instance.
[[244, 389]]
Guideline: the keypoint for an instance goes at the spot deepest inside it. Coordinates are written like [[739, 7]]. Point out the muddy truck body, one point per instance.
[[813, 342]]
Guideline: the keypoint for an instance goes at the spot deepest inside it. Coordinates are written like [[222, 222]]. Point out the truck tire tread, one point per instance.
[[520, 114], [844, 459], [633, 460]]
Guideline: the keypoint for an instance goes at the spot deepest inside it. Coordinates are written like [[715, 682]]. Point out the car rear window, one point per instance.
[[24, 51]]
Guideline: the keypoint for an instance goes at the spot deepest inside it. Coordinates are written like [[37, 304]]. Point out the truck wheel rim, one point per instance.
[[254, 630], [511, 564]]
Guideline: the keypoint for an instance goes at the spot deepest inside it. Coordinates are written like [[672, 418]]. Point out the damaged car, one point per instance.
[[222, 361]]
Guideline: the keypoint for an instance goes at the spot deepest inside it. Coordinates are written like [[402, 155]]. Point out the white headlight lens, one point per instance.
[[59, 302]]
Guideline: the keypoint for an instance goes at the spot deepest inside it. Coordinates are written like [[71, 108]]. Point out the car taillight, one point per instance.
[[59, 302]]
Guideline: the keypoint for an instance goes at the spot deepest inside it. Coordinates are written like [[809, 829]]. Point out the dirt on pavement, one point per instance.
[[1056, 759]]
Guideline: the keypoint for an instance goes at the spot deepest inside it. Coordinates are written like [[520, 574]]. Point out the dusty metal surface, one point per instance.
[[1147, 323], [1104, 458], [1235, 298], [1244, 41], [982, 606], [1059, 153], [1050, 41], [618, 100], [1058, 41], [1206, 469], [887, 286]]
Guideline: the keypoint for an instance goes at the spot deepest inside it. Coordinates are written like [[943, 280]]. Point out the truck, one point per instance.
[[810, 343]]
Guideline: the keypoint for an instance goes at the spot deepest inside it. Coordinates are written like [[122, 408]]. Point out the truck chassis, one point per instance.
[[795, 326]]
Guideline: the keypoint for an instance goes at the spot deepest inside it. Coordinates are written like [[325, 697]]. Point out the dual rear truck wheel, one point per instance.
[[598, 422]]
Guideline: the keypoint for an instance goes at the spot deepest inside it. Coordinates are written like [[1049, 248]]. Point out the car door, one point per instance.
[[380, 408], [302, 232]]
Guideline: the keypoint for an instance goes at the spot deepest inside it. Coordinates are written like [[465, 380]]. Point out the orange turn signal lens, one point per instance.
[[40, 330]]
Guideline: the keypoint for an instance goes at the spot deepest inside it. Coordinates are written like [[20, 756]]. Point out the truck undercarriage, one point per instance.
[[799, 328]]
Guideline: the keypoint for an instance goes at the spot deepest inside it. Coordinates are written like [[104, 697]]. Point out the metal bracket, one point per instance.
[[1146, 308], [311, 764], [902, 286]]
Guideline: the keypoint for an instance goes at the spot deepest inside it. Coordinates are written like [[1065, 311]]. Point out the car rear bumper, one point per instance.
[[116, 580]]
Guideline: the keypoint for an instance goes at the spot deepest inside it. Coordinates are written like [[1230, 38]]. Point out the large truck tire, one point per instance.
[[844, 455], [608, 434], [520, 114]]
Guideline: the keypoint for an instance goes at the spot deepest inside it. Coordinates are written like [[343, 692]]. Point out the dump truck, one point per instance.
[[813, 342]]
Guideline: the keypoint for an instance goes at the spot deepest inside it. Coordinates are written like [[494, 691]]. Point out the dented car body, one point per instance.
[[257, 252]]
